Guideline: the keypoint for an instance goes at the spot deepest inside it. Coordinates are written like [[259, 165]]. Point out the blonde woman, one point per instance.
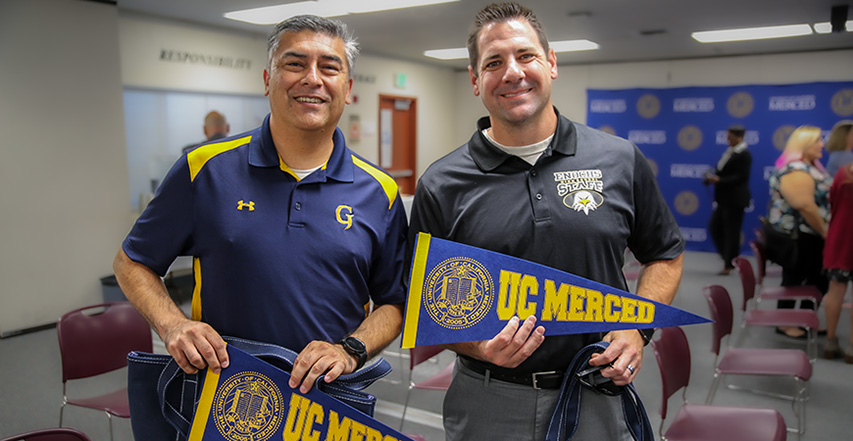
[[799, 198], [840, 146]]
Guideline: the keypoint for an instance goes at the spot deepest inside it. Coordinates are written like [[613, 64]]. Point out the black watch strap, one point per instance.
[[357, 348], [647, 335]]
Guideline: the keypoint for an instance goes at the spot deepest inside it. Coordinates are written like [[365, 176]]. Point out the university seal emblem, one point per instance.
[[686, 203], [458, 293], [247, 407], [740, 104], [842, 102], [781, 135], [648, 106], [689, 138]]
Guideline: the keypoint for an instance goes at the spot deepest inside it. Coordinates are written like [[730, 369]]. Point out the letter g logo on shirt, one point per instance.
[[344, 215]]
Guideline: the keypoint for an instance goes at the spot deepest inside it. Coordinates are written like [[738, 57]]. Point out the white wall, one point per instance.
[[569, 89], [63, 177], [144, 38]]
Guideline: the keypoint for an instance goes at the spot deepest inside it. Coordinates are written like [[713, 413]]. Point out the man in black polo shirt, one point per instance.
[[534, 185]]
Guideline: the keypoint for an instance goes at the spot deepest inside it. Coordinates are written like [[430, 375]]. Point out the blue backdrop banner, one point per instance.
[[682, 132]]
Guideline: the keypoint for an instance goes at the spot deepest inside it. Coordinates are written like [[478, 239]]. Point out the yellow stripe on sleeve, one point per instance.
[[384, 180], [416, 288], [195, 309], [198, 157]]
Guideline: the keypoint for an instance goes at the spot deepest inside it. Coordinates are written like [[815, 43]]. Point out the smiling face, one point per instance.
[[307, 83], [514, 73]]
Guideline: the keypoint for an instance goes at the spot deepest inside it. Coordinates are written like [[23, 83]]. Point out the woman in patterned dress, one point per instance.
[[799, 198]]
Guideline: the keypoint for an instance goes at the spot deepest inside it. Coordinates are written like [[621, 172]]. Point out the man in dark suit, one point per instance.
[[731, 196]]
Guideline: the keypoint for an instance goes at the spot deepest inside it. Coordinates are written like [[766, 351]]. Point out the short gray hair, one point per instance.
[[332, 28]]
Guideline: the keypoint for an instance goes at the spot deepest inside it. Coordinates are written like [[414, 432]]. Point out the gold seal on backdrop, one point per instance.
[[690, 138], [648, 106], [781, 135], [740, 104], [842, 102], [608, 129], [686, 203]]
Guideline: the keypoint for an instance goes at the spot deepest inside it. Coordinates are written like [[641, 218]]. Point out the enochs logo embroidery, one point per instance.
[[581, 190]]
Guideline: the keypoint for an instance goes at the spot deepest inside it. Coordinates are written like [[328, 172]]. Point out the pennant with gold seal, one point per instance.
[[459, 293], [251, 400]]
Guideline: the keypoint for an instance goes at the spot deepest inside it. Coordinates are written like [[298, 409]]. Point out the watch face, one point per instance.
[[355, 345]]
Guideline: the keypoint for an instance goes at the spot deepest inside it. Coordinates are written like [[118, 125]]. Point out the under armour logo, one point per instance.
[[344, 215], [250, 205]]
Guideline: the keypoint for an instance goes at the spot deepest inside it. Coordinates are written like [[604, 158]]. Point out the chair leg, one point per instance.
[[714, 384], [110, 419], [61, 411], [405, 407]]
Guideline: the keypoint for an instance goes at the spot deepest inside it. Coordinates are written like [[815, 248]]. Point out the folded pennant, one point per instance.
[[460, 293], [251, 400]]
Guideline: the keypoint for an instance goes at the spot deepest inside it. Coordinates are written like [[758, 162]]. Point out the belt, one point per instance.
[[536, 380]]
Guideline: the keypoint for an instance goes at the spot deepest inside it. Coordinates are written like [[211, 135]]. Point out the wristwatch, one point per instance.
[[647, 335], [355, 347]]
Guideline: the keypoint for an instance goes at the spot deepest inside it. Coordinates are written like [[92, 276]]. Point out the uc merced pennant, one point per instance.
[[460, 293], [250, 400]]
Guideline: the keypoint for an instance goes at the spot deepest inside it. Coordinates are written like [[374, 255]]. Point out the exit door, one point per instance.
[[397, 140]]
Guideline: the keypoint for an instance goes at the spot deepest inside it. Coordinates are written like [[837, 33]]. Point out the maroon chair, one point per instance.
[[438, 381], [700, 422], [790, 363], [748, 281], [57, 434], [95, 340], [762, 271], [751, 317]]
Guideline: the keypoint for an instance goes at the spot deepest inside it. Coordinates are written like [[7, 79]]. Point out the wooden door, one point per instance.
[[398, 140]]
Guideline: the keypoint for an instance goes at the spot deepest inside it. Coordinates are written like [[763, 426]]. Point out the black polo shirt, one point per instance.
[[590, 196]]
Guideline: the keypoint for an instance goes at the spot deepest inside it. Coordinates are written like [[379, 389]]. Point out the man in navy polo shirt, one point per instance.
[[534, 185], [292, 234]]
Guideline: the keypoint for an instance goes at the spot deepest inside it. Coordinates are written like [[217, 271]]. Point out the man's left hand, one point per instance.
[[626, 349], [320, 358]]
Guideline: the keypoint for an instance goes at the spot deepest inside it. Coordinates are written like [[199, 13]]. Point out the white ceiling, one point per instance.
[[618, 26]]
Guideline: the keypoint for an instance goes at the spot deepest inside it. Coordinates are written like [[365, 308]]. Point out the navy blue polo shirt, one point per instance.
[[587, 198], [277, 259]]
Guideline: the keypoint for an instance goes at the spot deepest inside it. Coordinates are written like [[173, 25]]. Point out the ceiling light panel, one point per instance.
[[752, 33], [323, 8], [826, 27], [558, 46]]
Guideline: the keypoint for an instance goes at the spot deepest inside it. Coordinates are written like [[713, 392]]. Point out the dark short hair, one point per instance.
[[737, 129], [498, 13], [332, 28]]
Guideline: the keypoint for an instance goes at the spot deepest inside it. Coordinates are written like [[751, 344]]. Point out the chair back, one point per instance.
[[672, 353], [722, 314], [747, 279], [96, 339], [760, 260], [420, 354], [57, 434]]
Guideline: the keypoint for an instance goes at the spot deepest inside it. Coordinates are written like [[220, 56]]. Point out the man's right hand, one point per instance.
[[510, 347], [195, 346]]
